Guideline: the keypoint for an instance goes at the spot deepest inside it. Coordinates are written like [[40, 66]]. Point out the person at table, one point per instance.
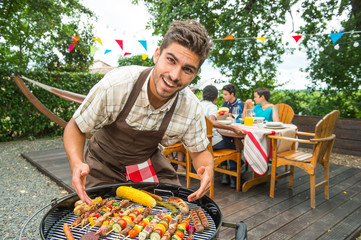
[[210, 96], [231, 101], [263, 108], [134, 108]]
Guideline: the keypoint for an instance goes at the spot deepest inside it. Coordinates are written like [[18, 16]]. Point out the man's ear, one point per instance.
[[156, 55]]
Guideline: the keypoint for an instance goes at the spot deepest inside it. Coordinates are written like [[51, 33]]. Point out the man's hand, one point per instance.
[[206, 179], [79, 178]]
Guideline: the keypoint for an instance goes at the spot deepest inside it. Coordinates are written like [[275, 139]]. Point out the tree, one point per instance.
[[36, 34], [334, 71], [248, 62]]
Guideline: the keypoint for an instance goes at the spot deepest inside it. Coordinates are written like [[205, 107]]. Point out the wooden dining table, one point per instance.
[[257, 148]]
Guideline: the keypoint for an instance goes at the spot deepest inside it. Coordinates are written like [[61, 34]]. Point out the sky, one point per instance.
[[120, 19]]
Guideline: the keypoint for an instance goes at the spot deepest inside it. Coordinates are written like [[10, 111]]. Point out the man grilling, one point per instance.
[[133, 109]]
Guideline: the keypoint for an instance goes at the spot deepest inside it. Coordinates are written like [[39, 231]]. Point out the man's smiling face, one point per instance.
[[175, 67]]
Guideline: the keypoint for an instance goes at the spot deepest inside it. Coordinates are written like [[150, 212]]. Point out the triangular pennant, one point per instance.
[[98, 40], [229, 37], [336, 36], [144, 56], [93, 50], [120, 43], [126, 53], [297, 37], [144, 44], [261, 38], [75, 39], [71, 47], [107, 51]]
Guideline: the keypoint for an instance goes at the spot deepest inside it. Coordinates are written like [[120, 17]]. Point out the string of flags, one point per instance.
[[334, 38]]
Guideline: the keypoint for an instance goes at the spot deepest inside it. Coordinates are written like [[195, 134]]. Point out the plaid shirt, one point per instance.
[[108, 97]]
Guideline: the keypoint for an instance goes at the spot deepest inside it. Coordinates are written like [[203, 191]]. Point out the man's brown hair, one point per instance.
[[190, 34]]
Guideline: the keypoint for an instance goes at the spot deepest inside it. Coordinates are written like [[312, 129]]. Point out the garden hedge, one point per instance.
[[20, 119]]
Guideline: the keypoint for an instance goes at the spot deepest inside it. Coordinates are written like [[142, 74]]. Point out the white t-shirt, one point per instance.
[[211, 109]]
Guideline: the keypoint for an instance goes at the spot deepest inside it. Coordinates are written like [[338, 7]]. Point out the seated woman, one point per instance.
[[263, 108], [210, 95]]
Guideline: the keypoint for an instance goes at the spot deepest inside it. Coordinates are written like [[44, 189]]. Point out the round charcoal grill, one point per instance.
[[51, 226]]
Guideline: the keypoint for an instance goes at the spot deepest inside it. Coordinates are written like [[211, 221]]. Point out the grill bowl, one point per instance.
[[60, 211]]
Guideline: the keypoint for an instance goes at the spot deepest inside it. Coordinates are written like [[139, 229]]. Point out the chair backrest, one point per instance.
[[209, 133], [325, 128], [286, 112]]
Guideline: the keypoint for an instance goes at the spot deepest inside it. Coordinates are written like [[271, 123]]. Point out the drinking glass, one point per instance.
[[235, 112]]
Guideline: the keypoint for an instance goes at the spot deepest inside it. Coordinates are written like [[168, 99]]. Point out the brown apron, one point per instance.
[[118, 145]]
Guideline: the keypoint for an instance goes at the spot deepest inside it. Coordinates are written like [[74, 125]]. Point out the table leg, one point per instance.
[[256, 179]]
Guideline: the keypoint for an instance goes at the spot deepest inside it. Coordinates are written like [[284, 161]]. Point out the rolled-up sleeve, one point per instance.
[[195, 138], [92, 113]]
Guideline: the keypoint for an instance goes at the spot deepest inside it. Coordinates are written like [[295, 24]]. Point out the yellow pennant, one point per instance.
[[98, 40], [261, 38], [144, 56]]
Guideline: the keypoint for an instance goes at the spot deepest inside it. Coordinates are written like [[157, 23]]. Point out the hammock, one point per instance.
[[67, 95]]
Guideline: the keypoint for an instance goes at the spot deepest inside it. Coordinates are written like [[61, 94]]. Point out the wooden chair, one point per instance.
[[219, 156], [322, 141], [177, 147], [286, 113]]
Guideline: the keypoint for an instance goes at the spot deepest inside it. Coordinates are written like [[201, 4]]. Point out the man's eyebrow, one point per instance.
[[176, 59]]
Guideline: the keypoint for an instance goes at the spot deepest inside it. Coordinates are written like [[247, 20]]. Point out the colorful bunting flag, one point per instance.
[[98, 40], [75, 39], [126, 53], [144, 56], [120, 43], [229, 37], [261, 38], [297, 37], [71, 47], [144, 44], [107, 51], [336, 36], [93, 50]]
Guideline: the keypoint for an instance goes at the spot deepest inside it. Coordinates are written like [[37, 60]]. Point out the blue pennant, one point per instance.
[[144, 44], [336, 36]]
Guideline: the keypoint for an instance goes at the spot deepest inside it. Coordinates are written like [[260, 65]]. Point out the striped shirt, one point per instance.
[[108, 97]]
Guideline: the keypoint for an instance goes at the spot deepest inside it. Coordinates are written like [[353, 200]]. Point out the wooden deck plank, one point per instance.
[[286, 216], [322, 226], [260, 218], [310, 217], [294, 208]]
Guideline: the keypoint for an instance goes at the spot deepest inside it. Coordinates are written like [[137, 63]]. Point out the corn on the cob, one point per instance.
[[136, 196]]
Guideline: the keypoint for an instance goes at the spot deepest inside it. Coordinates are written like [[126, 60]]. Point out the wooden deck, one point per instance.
[[287, 216]]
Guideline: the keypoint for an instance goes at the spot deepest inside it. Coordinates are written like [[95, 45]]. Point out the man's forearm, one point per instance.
[[204, 158], [74, 142]]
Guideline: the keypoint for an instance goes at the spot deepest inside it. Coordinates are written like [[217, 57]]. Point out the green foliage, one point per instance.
[[20, 119], [248, 63], [135, 60], [332, 69], [36, 34]]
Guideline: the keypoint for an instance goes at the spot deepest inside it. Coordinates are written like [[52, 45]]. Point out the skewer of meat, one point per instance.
[[172, 227], [145, 212], [149, 228]]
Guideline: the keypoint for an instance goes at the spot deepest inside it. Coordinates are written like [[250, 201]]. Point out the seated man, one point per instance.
[[229, 95], [263, 108], [210, 95]]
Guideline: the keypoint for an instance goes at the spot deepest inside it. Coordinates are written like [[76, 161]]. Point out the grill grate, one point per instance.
[[55, 221]]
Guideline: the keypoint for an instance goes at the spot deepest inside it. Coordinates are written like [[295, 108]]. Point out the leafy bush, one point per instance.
[[20, 119]]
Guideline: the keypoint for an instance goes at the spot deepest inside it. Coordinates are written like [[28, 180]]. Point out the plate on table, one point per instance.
[[274, 125], [226, 122]]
